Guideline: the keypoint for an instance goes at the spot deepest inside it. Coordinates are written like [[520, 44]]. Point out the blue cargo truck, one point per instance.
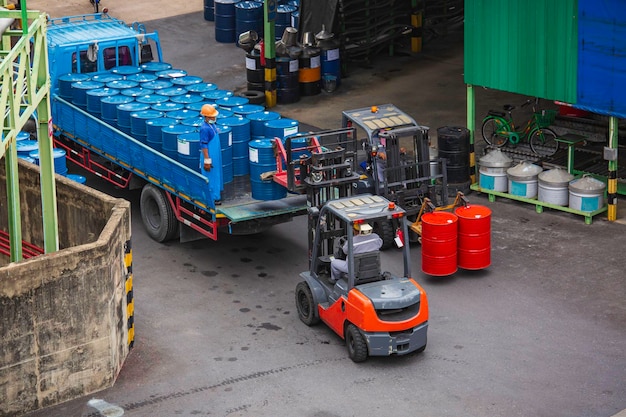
[[175, 199]]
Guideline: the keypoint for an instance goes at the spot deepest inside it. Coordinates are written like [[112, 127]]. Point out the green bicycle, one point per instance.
[[499, 128]]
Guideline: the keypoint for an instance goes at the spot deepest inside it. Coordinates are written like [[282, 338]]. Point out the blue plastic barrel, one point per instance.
[[122, 84], [199, 88], [168, 106], [186, 99], [125, 110], [225, 134], [170, 74], [189, 150], [280, 128], [248, 16], [126, 70], [79, 92], [187, 80], [65, 84], [95, 96], [283, 19], [77, 178], [231, 101], [154, 66], [142, 77], [331, 66], [138, 123], [22, 136], [195, 121], [108, 107], [287, 80], [257, 122], [225, 21], [262, 159], [152, 99], [59, 157], [154, 131], [215, 95], [240, 137], [136, 92], [209, 10], [172, 91], [182, 114], [247, 109], [169, 145], [25, 147], [106, 77], [157, 84]]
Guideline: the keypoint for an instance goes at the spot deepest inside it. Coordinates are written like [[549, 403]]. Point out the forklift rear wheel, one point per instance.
[[305, 304], [384, 229], [157, 214], [357, 346]]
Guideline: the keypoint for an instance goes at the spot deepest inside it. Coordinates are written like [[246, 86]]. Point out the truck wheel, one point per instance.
[[306, 304], [357, 346], [384, 229], [157, 214]]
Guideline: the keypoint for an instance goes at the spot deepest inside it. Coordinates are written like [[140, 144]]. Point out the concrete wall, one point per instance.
[[65, 317]]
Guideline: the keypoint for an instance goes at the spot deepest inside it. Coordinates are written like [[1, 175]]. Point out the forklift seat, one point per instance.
[[366, 267]]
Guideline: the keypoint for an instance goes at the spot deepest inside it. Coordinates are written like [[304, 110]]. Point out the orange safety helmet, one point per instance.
[[208, 111]]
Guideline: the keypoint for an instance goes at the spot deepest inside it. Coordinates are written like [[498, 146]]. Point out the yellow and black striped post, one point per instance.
[[269, 9], [130, 301], [612, 178], [417, 20]]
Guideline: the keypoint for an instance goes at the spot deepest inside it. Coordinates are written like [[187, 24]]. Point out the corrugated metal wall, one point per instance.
[[602, 57], [523, 46]]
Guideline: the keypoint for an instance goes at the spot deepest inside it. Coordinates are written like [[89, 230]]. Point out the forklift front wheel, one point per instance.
[[305, 304], [355, 341]]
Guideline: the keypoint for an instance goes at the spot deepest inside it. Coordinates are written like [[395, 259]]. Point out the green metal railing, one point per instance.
[[25, 94]]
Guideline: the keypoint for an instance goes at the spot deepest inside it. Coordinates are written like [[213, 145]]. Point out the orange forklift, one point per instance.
[[377, 313]]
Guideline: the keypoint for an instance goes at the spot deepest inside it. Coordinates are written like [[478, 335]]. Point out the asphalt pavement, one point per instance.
[[541, 332]]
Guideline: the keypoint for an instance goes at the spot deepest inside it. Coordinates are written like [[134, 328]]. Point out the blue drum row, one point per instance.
[[160, 106]]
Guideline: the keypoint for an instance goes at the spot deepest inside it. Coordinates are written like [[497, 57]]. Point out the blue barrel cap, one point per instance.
[[233, 121], [199, 88], [142, 77], [162, 121], [261, 143], [56, 153], [106, 77], [195, 121], [168, 106], [126, 70], [187, 80], [171, 73], [22, 136], [248, 5], [231, 101], [216, 94], [117, 99], [197, 106], [263, 116], [26, 145], [136, 91], [103, 92], [286, 8], [224, 113], [172, 91], [122, 84], [73, 77], [281, 123], [156, 66], [178, 129], [77, 178], [156, 84]]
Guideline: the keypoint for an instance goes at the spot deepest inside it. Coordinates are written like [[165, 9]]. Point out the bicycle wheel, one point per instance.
[[543, 142], [494, 132]]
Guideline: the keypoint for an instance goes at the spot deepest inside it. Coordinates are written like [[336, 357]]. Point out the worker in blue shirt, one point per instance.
[[364, 241], [211, 152]]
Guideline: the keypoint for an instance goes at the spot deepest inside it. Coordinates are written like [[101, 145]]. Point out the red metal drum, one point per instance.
[[439, 243], [474, 237]]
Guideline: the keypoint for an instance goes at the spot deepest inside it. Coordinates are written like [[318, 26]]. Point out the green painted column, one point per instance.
[[13, 203]]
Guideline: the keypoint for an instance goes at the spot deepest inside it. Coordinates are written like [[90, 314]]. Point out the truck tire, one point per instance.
[[384, 229], [356, 344], [157, 214], [306, 305]]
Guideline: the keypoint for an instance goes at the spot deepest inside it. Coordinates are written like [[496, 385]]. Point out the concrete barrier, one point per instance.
[[66, 318]]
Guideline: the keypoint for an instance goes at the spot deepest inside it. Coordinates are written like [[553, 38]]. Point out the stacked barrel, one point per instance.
[[461, 239], [159, 106]]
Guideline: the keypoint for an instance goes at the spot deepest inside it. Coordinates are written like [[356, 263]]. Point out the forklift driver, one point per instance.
[[364, 241]]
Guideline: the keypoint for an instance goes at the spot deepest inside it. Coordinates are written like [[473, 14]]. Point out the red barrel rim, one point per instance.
[[473, 212], [436, 218]]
